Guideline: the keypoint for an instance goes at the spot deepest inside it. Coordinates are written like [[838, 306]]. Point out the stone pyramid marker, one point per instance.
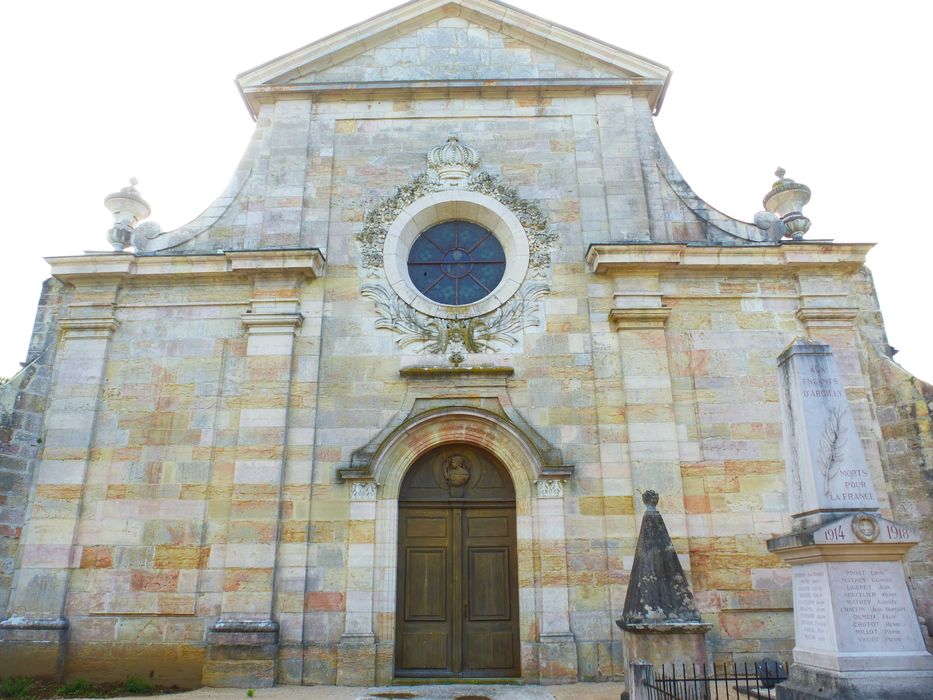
[[660, 622], [857, 635]]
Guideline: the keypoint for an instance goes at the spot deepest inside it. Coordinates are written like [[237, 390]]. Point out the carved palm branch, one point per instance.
[[832, 447]]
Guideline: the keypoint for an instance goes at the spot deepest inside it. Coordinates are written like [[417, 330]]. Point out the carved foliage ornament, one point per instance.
[[550, 488], [865, 527], [490, 332], [541, 240], [363, 491]]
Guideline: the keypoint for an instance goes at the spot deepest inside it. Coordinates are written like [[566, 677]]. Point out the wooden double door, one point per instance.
[[457, 611]]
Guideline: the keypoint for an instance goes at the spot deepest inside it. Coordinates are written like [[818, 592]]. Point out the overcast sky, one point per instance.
[[835, 92]]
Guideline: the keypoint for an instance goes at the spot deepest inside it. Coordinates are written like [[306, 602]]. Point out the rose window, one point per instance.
[[456, 263]]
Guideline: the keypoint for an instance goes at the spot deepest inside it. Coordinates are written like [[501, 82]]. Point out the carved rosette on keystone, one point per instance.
[[857, 633]]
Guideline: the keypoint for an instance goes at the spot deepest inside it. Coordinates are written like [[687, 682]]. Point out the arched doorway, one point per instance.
[[457, 593]]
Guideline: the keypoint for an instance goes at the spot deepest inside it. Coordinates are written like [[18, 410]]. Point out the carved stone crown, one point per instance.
[[453, 162]]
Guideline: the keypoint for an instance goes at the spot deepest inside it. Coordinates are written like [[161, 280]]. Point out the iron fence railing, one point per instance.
[[721, 681]]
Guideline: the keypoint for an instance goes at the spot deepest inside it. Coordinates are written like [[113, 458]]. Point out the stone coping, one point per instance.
[[34, 623], [308, 262], [665, 627], [608, 258]]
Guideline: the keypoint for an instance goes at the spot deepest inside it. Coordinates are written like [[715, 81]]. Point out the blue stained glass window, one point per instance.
[[456, 262]]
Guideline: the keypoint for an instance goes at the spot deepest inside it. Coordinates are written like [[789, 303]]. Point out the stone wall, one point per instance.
[[22, 404], [904, 406]]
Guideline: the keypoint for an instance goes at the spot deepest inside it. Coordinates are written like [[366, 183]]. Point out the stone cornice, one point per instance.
[[859, 552], [433, 372], [306, 262], [412, 88], [612, 258]]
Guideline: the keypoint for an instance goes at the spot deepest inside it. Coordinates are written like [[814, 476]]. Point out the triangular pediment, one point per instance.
[[428, 42], [454, 48]]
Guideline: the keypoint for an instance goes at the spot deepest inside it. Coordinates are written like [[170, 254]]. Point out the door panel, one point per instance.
[[424, 650], [457, 610], [425, 592], [488, 580], [489, 653], [425, 568], [491, 627], [490, 526], [435, 526]]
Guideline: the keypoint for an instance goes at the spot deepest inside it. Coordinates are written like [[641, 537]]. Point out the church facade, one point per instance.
[[386, 409]]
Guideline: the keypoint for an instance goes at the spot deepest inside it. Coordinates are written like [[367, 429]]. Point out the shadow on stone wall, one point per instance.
[[22, 405], [904, 404]]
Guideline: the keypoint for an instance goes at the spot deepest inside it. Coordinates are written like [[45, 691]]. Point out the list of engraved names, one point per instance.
[[873, 603], [812, 607]]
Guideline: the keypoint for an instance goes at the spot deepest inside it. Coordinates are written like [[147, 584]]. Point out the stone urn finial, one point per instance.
[[453, 162], [650, 498], [128, 209], [786, 201]]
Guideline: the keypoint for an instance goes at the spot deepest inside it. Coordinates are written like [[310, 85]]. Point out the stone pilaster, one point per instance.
[[34, 633], [557, 650], [356, 653], [639, 319], [243, 643], [627, 212]]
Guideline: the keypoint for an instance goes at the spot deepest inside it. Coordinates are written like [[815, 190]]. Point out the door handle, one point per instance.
[[466, 608]]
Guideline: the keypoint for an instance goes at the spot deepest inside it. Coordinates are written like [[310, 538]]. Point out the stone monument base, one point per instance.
[[241, 654], [808, 683], [664, 645], [557, 655], [356, 660], [32, 647]]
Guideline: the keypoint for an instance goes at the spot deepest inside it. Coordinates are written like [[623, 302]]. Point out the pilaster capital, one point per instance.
[[550, 488], [89, 327], [272, 323], [827, 317], [639, 318], [363, 491]]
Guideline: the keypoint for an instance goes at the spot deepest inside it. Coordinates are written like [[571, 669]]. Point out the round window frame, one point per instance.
[[455, 205]]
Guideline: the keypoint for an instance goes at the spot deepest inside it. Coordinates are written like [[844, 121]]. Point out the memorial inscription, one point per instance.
[[811, 607], [874, 603], [827, 469], [863, 528], [854, 618]]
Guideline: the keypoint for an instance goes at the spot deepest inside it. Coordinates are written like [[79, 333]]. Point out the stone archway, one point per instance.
[[547, 649]]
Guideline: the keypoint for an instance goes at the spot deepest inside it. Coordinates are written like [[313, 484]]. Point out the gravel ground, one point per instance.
[[576, 691]]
